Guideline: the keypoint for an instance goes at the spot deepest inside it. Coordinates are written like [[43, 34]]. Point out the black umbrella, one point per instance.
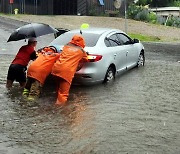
[[31, 30]]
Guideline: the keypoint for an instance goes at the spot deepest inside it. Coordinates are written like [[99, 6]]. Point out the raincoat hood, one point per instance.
[[78, 40]]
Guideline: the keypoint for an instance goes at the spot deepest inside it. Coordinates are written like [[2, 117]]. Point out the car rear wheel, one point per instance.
[[110, 75], [141, 60]]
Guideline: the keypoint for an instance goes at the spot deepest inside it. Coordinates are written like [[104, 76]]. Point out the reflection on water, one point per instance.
[[138, 113]]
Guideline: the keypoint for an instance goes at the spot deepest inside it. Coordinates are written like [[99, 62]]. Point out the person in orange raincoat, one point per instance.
[[38, 71], [66, 66]]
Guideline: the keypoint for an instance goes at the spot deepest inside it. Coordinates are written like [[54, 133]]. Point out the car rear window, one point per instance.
[[90, 39]]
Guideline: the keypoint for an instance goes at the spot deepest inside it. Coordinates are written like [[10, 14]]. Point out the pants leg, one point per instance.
[[35, 90], [29, 82], [63, 91], [28, 86]]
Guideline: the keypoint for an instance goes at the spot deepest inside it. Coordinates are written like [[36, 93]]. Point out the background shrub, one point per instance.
[[173, 21], [177, 22], [133, 10], [143, 15], [152, 17], [169, 21]]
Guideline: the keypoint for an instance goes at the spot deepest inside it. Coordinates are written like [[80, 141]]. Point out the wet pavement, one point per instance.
[[136, 114]]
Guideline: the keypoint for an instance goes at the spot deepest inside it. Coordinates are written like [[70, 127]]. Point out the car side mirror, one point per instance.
[[135, 40]]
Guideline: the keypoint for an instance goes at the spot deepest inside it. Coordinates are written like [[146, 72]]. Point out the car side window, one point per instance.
[[112, 41], [107, 43], [124, 39]]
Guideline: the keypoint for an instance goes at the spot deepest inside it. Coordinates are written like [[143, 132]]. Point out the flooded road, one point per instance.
[[138, 113]]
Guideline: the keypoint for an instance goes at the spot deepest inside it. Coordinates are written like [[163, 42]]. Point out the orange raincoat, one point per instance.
[[66, 66], [42, 66]]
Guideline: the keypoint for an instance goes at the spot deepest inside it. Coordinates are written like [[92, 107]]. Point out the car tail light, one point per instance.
[[94, 58]]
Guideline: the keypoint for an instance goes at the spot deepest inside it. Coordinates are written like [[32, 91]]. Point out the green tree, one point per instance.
[[175, 3], [161, 3], [157, 3], [143, 2]]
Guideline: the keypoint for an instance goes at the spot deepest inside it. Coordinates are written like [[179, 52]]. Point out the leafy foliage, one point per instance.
[[133, 10], [142, 13], [175, 3], [173, 21], [159, 3], [152, 17]]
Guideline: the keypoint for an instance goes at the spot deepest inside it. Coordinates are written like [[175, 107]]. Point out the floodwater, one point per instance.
[[139, 113]]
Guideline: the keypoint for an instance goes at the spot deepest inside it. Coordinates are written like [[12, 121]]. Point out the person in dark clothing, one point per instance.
[[18, 67]]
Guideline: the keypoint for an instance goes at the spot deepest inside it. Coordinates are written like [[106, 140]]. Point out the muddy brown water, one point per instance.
[[137, 113]]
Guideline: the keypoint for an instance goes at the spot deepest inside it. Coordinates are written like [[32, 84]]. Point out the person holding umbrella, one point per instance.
[[18, 67], [66, 66]]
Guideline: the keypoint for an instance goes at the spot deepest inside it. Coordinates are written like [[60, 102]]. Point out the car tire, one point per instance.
[[110, 75], [141, 60]]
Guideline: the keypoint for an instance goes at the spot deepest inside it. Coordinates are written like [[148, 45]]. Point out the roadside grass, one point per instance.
[[145, 38]]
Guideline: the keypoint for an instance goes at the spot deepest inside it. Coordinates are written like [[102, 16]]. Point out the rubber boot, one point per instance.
[[35, 91], [25, 93]]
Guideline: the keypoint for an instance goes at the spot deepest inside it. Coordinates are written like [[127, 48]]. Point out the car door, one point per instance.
[[130, 49], [118, 52]]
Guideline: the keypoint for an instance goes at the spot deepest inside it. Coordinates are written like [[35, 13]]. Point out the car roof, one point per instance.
[[95, 30]]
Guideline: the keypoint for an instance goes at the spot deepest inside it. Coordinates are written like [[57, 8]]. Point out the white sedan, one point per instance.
[[110, 52]]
